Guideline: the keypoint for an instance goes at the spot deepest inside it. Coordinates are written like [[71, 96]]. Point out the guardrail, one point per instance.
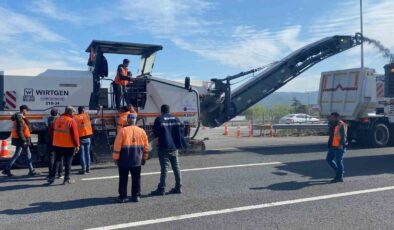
[[298, 127]]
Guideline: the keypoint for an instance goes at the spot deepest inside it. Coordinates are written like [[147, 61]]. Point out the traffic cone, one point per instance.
[[225, 129], [238, 131], [4, 150]]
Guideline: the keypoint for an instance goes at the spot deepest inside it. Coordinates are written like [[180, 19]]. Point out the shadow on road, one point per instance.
[[4, 179], [281, 149], [21, 186], [319, 170], [292, 185], [60, 206]]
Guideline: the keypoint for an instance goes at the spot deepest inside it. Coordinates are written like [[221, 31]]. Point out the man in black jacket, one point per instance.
[[169, 130]]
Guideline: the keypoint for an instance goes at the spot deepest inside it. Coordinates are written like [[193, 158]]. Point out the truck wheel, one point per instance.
[[4, 135], [380, 136]]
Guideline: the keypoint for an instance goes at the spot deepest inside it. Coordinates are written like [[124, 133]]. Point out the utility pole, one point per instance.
[[362, 34]]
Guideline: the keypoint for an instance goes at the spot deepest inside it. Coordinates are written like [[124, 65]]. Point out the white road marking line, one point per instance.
[[240, 209], [188, 170]]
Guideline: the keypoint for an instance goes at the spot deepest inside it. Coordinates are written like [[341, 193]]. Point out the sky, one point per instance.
[[202, 39]]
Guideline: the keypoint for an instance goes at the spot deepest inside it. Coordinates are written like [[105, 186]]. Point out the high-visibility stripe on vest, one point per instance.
[[25, 130], [118, 81], [61, 133], [336, 139], [84, 125]]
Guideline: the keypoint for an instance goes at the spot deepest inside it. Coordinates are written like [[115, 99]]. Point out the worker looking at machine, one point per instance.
[[336, 146], [169, 130], [130, 152], [65, 143], [50, 150], [122, 79], [85, 133]]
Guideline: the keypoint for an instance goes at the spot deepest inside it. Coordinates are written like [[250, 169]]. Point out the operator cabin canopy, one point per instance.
[[123, 48]]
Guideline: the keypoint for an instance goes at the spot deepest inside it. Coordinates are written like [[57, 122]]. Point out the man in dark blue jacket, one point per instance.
[[169, 131]]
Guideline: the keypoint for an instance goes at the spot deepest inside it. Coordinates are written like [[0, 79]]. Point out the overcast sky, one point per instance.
[[202, 39]]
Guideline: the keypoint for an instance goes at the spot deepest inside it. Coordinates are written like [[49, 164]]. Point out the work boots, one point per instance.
[[158, 192], [175, 191], [7, 173]]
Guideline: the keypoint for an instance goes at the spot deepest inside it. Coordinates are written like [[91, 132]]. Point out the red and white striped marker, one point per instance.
[[379, 89], [10, 100]]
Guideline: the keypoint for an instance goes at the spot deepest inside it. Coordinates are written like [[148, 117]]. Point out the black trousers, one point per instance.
[[117, 94], [120, 94], [135, 181], [67, 155], [51, 164]]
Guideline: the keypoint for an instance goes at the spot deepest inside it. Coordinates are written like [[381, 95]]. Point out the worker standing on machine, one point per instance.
[[130, 152], [336, 146], [122, 79], [65, 143], [85, 133], [21, 138]]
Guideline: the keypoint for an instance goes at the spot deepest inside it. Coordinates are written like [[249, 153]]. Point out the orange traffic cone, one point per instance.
[[238, 131], [225, 129], [4, 150]]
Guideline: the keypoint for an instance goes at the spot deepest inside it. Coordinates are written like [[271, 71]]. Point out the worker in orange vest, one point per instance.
[[21, 138], [122, 79], [337, 143], [130, 152], [122, 118], [85, 133], [65, 143]]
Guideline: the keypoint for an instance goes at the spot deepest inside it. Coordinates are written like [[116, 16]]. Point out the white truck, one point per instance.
[[359, 96]]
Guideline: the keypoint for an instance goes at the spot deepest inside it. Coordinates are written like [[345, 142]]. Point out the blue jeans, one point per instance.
[[335, 160], [84, 153], [16, 155], [166, 157]]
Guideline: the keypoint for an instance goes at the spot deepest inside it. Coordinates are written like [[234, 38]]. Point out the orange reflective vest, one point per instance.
[[336, 139], [61, 132], [131, 146], [84, 125], [122, 120], [118, 81], [25, 130]]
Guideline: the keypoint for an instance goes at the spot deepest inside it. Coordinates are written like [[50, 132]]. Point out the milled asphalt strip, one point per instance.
[[188, 170], [240, 209]]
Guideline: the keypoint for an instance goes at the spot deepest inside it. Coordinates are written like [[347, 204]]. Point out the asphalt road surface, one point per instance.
[[240, 183]]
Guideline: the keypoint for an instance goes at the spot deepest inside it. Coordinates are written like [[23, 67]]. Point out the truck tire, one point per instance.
[[379, 136], [4, 135]]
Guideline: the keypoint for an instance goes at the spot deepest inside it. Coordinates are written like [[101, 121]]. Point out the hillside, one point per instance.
[[285, 98]]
